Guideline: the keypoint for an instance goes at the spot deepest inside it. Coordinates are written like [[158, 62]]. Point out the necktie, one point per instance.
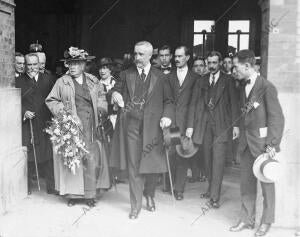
[[143, 75], [213, 80]]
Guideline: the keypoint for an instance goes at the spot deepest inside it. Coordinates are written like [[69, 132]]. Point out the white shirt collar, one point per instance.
[[35, 77], [253, 77], [249, 86], [146, 69], [183, 69]]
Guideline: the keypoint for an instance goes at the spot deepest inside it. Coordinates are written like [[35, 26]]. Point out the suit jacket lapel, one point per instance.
[[153, 78], [131, 81], [186, 80], [206, 88], [220, 87]]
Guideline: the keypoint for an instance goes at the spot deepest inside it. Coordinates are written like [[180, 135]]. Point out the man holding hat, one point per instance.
[[261, 129], [182, 81]]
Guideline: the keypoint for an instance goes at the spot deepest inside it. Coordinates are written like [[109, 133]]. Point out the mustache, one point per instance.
[[177, 62]]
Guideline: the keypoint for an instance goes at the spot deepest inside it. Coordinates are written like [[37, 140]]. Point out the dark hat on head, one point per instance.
[[34, 48], [187, 148], [105, 62], [76, 54]]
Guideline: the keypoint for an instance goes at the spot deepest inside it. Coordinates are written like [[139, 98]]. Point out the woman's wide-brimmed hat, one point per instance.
[[76, 54], [266, 169]]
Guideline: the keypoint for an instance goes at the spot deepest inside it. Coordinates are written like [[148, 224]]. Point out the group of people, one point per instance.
[[209, 104]]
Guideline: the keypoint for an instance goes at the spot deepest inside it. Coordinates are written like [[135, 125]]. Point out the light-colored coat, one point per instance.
[[63, 96]]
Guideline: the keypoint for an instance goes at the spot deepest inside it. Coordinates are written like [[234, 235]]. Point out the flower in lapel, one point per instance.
[[250, 105], [255, 104]]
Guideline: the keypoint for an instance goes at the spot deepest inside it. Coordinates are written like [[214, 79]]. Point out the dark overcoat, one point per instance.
[[33, 94], [159, 103], [225, 112], [263, 123], [182, 96]]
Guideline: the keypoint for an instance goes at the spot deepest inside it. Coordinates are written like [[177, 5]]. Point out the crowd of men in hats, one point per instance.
[[159, 119]]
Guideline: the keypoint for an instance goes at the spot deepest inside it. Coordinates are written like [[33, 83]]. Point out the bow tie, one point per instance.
[[245, 82], [166, 68]]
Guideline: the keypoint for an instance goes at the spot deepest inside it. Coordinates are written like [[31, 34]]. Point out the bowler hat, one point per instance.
[[187, 148], [76, 54], [266, 169]]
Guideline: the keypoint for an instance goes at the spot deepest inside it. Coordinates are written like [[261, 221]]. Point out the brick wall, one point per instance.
[[7, 43]]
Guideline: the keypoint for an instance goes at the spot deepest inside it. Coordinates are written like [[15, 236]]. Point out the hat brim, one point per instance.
[[88, 58], [257, 170], [182, 153]]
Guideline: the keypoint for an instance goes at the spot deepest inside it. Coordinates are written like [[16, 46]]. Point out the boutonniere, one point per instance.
[[255, 104], [249, 106]]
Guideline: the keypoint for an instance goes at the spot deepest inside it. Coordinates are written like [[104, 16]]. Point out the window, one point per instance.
[[204, 36], [238, 35]]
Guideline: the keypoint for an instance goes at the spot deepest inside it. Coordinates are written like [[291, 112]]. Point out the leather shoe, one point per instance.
[[241, 226], [214, 204], [204, 195], [178, 195], [150, 204], [263, 229], [52, 191], [133, 214], [71, 202]]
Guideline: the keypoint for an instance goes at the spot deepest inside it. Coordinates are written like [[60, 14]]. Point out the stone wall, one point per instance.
[[13, 165], [7, 42], [283, 69]]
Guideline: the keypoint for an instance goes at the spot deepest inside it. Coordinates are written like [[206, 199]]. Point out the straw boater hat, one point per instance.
[[187, 148], [266, 169], [76, 54]]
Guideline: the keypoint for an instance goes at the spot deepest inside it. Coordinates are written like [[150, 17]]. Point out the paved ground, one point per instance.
[[42, 215]]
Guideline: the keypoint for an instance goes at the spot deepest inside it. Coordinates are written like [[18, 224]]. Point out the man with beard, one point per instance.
[[35, 87], [146, 103], [182, 81], [19, 64], [212, 111]]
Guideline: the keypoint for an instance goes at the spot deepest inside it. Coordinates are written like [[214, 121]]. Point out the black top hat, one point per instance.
[[171, 136], [76, 54]]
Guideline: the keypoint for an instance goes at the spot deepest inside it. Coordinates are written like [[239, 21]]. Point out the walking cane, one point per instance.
[[34, 154], [170, 174]]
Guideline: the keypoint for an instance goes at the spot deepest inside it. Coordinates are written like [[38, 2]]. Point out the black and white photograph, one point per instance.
[[153, 118]]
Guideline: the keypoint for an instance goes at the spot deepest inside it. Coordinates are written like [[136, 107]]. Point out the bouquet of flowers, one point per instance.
[[67, 139]]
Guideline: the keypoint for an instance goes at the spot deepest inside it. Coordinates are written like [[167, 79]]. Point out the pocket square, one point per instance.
[[263, 132]]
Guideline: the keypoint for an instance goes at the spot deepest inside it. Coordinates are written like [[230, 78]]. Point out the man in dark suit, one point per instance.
[[212, 112], [182, 81], [35, 87], [146, 100], [165, 56], [261, 129], [19, 64]]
